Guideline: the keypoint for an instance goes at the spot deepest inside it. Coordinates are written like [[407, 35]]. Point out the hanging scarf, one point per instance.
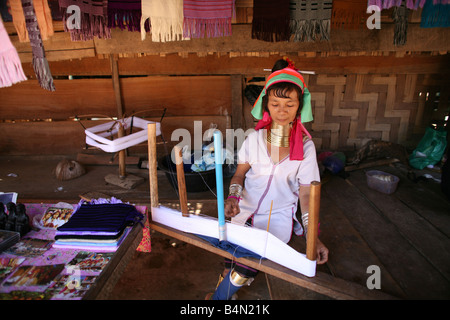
[[93, 14], [271, 20], [43, 16], [310, 21], [124, 14], [348, 14], [203, 18], [40, 63], [166, 19], [296, 136], [387, 4], [11, 71], [5, 11], [55, 10], [436, 14], [400, 17]]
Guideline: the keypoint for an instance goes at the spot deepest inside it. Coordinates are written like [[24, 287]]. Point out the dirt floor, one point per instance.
[[406, 234]]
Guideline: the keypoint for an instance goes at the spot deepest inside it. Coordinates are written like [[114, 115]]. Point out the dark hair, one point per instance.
[[280, 64], [281, 90]]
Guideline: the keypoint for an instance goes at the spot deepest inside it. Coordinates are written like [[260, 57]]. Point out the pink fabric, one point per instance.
[[203, 18], [11, 70], [296, 138]]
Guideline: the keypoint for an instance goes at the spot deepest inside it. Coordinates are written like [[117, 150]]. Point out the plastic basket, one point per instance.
[[382, 181]]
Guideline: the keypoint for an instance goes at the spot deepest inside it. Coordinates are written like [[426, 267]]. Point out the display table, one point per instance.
[[34, 269]]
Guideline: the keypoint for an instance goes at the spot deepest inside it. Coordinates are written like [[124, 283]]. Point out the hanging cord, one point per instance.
[[201, 176]]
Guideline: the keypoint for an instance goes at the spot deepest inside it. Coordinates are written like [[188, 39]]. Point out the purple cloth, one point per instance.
[[102, 218]]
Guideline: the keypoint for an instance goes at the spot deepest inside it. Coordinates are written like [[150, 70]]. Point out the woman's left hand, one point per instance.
[[322, 252]]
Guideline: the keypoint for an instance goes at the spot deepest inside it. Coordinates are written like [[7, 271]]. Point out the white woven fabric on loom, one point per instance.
[[256, 240]]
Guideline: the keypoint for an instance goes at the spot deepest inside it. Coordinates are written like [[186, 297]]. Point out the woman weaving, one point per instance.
[[275, 168]]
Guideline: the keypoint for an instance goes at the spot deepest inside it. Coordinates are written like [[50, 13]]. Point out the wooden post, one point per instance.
[[181, 181], [313, 221], [122, 154], [152, 165], [116, 86]]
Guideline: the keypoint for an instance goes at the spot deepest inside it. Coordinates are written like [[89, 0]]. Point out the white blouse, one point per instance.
[[267, 181]]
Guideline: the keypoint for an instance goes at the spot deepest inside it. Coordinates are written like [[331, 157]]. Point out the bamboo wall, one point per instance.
[[363, 87]]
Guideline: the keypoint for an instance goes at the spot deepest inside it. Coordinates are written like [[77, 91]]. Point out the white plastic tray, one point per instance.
[[95, 136]]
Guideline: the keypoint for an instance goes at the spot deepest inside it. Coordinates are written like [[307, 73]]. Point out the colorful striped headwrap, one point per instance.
[[296, 137]]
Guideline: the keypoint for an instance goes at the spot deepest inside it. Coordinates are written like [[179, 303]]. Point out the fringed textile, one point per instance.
[[166, 19], [348, 14], [203, 18], [387, 4], [124, 14], [55, 10], [310, 20], [436, 14], [11, 71], [271, 20], [93, 16], [43, 16], [5, 11], [400, 17], [40, 63]]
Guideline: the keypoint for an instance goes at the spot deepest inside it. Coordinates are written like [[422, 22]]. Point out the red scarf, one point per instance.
[[295, 139]]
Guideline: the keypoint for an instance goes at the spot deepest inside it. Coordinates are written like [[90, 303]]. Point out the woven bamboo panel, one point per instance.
[[349, 110]]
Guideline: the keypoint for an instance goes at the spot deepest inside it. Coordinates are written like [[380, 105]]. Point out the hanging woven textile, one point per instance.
[[5, 11], [400, 17], [124, 14], [310, 20], [387, 4], [40, 63], [11, 71], [271, 20], [203, 18], [348, 14], [166, 19], [43, 16], [93, 19], [436, 14]]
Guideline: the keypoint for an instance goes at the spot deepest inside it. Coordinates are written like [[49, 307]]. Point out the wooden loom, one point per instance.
[[321, 283]]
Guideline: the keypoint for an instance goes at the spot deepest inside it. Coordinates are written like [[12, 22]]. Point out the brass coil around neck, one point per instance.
[[278, 135]]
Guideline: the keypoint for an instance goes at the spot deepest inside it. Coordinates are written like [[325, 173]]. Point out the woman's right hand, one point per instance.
[[231, 207]]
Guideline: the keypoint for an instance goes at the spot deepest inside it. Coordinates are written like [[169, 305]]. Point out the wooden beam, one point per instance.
[[116, 84], [332, 63], [419, 39], [181, 181], [313, 221], [118, 95], [152, 165]]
